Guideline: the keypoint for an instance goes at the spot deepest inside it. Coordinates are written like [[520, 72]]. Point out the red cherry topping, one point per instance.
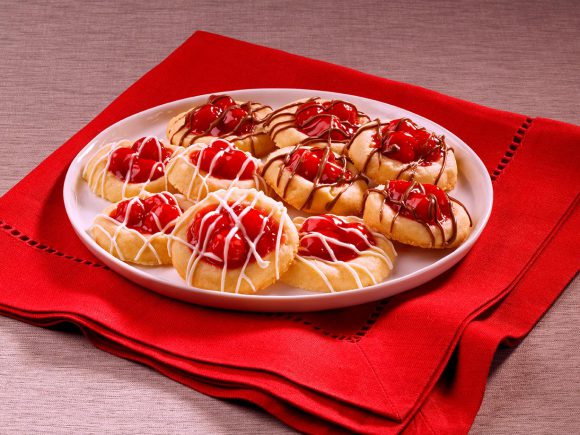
[[423, 202], [205, 116], [150, 148], [220, 116], [151, 215], [400, 146], [403, 140], [307, 111], [337, 120], [223, 160], [342, 110], [130, 212], [306, 163], [222, 101], [219, 235], [144, 161], [232, 118], [336, 232]]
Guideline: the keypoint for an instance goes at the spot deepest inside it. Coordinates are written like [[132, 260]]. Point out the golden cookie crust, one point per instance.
[[379, 216], [346, 199], [281, 124], [257, 143], [194, 183], [254, 277], [130, 245], [106, 185], [381, 169], [370, 267]]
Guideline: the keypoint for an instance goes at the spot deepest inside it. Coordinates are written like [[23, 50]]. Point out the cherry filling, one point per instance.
[[151, 215], [423, 202], [223, 160], [335, 119], [405, 141], [307, 163], [144, 161], [220, 116], [325, 237], [219, 237]]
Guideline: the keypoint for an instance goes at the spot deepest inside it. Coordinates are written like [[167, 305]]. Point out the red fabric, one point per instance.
[[374, 368]]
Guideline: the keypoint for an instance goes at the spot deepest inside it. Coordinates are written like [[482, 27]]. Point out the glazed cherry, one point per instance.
[[224, 161], [342, 110], [149, 148], [129, 212], [213, 230], [400, 146], [220, 116], [151, 215], [306, 163], [222, 101], [307, 111], [204, 118], [144, 161], [344, 240], [335, 119], [403, 140], [232, 118], [423, 202]]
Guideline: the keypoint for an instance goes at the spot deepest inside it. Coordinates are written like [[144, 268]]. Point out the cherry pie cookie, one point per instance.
[[126, 169], [207, 167], [400, 149], [315, 179], [315, 119], [339, 253], [241, 122], [236, 240], [137, 230], [417, 214]]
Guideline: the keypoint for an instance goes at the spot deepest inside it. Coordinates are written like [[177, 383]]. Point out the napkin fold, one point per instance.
[[415, 362]]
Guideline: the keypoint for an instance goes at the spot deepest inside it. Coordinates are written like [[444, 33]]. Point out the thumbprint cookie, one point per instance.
[[339, 253], [315, 179], [137, 230], [236, 240], [206, 167], [240, 122], [126, 169], [417, 214], [400, 149], [315, 118]]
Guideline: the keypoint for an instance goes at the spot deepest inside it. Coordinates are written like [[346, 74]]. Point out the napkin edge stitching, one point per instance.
[[513, 147], [354, 337], [10, 230]]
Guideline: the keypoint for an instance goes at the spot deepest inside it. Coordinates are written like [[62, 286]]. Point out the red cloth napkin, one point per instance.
[[416, 362]]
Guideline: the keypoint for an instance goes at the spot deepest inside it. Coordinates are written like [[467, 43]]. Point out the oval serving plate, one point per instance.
[[413, 266]]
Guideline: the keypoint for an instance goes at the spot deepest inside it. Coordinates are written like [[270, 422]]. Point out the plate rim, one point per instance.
[[431, 270]]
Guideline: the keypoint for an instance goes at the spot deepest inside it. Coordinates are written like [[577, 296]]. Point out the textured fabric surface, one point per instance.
[[50, 114]]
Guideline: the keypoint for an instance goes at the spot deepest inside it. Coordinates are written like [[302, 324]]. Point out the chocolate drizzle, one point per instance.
[[401, 205], [302, 106], [251, 109], [381, 137], [337, 188]]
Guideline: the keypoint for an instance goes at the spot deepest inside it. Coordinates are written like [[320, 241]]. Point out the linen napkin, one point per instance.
[[376, 368]]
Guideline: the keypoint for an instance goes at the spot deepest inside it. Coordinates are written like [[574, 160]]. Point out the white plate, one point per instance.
[[413, 266]]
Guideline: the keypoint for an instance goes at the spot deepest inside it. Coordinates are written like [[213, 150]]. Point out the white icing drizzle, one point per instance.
[[184, 155], [97, 177], [371, 250], [147, 239], [249, 199]]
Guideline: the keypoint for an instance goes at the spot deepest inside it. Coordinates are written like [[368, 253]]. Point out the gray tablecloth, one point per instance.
[[62, 62]]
